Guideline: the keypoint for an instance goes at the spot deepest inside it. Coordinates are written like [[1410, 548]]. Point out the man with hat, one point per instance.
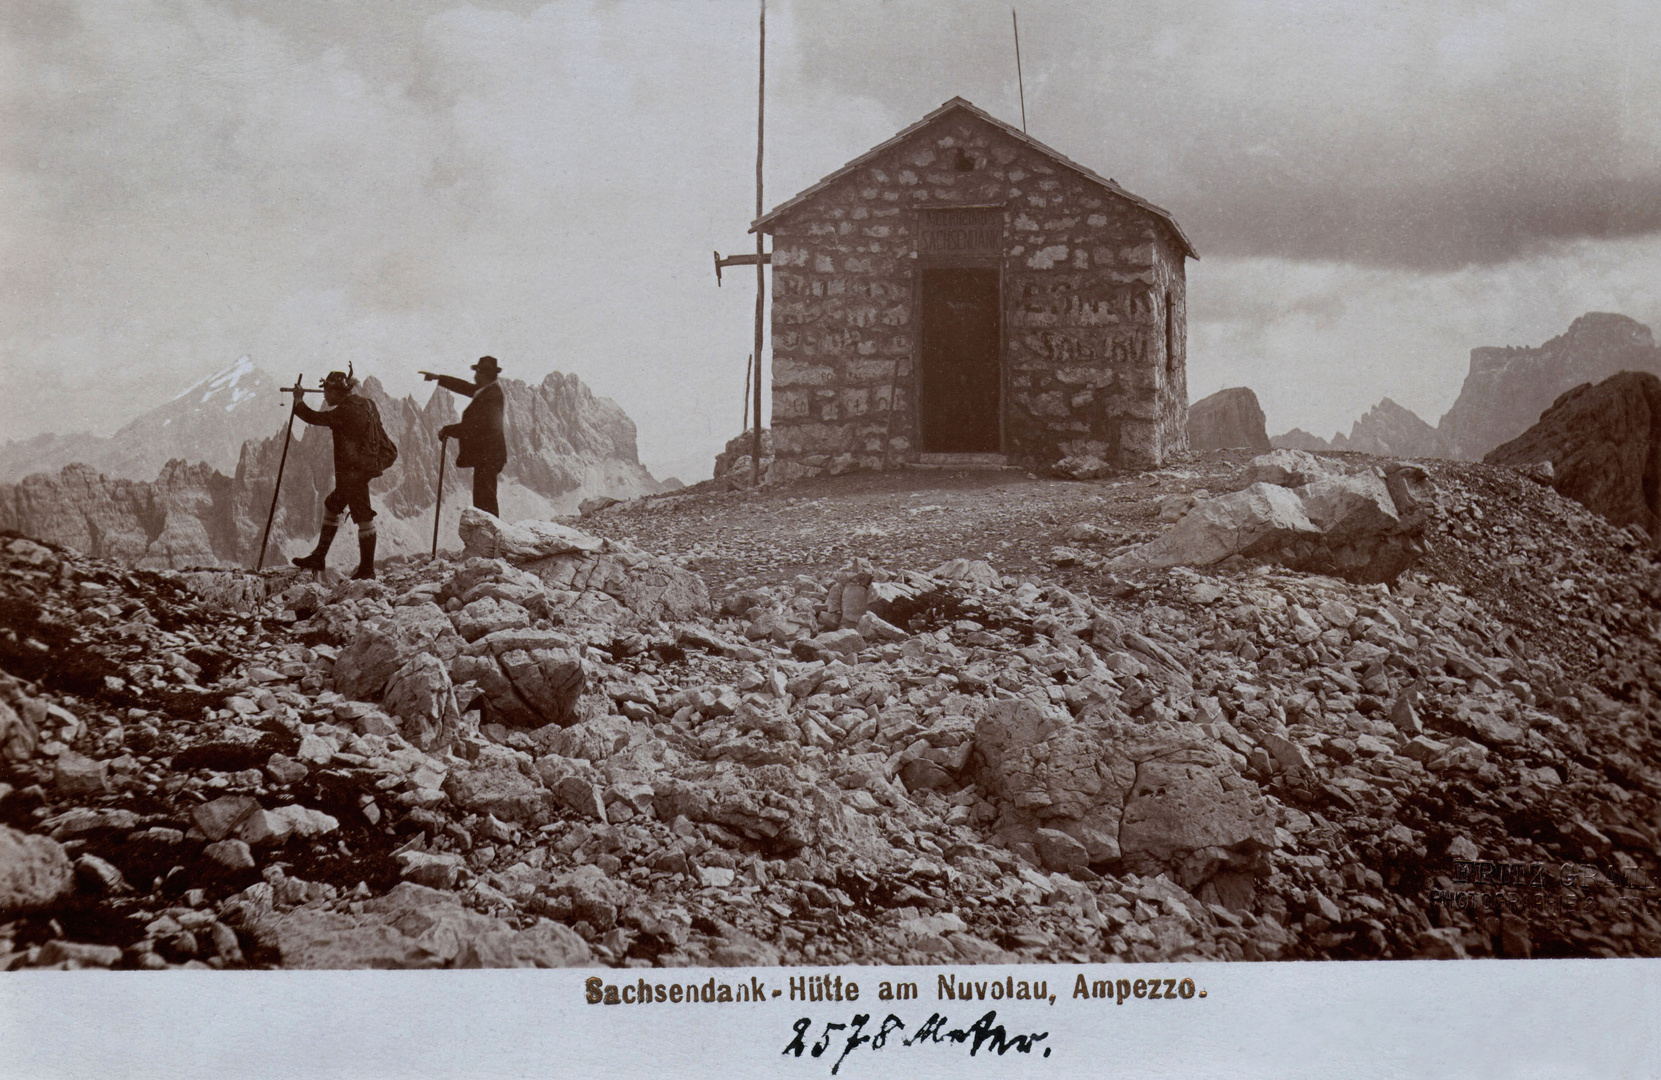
[[348, 416], [484, 447]]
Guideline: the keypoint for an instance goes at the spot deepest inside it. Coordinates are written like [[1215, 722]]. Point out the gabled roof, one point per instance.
[[764, 223]]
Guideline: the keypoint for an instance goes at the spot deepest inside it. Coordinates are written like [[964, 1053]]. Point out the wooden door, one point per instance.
[[960, 377]]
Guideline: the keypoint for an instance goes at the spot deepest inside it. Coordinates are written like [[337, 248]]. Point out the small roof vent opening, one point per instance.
[[963, 162]]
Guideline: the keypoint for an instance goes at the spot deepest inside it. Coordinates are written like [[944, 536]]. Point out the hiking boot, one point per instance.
[[319, 555], [366, 559]]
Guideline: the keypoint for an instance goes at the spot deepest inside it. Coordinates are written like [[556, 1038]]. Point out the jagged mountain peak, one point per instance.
[[1387, 429], [1605, 327], [1508, 387]]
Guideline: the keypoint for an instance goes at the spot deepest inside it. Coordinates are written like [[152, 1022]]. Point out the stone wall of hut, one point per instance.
[[1093, 309]]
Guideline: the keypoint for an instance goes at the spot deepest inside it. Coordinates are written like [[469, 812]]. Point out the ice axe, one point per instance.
[[438, 503], [282, 462]]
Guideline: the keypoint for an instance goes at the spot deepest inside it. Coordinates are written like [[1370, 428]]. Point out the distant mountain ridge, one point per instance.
[[1387, 429], [1505, 392], [564, 446], [207, 422]]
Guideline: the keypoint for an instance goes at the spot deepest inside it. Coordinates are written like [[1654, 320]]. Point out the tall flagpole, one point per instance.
[[1016, 24], [761, 271]]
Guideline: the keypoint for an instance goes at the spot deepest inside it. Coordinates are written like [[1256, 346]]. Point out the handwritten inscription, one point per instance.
[[985, 1033]]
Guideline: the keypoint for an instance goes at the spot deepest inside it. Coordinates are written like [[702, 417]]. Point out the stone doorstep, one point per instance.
[[960, 461]]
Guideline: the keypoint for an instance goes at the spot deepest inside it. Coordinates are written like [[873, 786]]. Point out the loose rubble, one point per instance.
[[562, 749]]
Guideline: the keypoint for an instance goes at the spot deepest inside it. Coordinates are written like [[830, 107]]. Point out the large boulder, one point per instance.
[[1346, 507], [498, 789], [1148, 798], [1306, 513], [1604, 445], [1292, 468], [423, 699], [385, 645], [1227, 419], [525, 678], [34, 871], [1256, 519], [1369, 524]]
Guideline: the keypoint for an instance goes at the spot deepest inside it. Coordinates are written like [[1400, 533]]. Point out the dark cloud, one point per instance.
[[1409, 135]]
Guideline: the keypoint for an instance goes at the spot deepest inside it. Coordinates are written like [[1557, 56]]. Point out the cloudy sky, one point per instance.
[[1374, 188]]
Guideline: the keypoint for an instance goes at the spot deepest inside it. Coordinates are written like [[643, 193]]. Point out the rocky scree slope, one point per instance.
[[560, 749]]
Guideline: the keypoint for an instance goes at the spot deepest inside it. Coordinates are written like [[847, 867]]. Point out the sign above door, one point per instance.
[[960, 232]]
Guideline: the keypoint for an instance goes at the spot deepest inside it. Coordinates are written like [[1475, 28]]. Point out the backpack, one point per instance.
[[381, 450]]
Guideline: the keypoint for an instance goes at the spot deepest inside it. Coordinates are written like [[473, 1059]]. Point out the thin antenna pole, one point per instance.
[[1019, 82], [761, 273]]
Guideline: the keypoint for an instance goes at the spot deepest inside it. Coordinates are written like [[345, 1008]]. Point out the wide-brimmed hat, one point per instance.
[[488, 363], [340, 379]]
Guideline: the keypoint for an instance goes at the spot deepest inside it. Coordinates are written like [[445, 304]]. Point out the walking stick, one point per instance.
[[288, 433], [438, 503]]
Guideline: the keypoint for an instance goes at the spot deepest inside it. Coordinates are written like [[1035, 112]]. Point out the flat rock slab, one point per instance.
[[487, 536], [413, 927]]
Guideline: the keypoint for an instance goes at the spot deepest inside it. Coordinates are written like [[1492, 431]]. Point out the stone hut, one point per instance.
[[964, 293]]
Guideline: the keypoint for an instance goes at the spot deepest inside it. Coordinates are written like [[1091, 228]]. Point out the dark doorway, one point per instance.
[[961, 388]]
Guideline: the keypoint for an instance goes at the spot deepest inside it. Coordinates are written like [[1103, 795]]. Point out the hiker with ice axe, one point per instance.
[[362, 451], [484, 447]]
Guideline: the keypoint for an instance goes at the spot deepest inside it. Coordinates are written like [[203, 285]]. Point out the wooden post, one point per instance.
[[749, 365], [893, 389], [761, 271]]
